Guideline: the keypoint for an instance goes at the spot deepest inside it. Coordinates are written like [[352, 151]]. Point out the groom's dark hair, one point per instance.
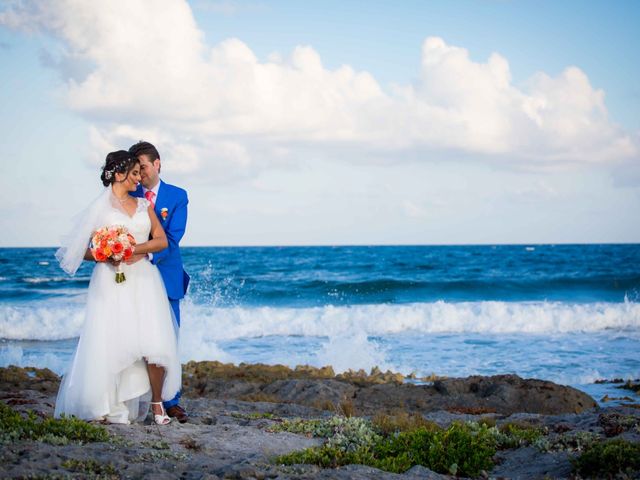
[[144, 148]]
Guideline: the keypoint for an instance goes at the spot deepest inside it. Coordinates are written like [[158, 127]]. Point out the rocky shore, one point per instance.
[[247, 420]]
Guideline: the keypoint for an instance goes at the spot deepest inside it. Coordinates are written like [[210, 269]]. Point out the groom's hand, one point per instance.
[[136, 257]]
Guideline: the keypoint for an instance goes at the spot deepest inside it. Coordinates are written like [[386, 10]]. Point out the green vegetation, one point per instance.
[[297, 425], [462, 449], [156, 444], [511, 435], [397, 442], [155, 455], [456, 450], [345, 433], [608, 459], [401, 422], [253, 416], [14, 427], [567, 442], [89, 466]]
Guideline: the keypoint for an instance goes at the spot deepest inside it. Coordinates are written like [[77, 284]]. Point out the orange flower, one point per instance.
[[99, 255], [113, 242]]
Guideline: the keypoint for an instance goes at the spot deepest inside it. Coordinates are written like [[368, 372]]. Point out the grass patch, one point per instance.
[[346, 408], [608, 459], [296, 425], [458, 450], [401, 422], [396, 443], [15, 427], [156, 444], [90, 467], [254, 416]]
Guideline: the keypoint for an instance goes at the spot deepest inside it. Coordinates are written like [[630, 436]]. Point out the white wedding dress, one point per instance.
[[124, 324]]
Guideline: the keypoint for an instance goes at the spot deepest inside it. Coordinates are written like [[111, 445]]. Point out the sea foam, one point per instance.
[[40, 321]]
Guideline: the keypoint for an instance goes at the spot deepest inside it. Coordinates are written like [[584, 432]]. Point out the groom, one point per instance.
[[170, 204]]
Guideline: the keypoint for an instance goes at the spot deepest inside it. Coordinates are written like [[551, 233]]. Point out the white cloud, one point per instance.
[[225, 113], [412, 210]]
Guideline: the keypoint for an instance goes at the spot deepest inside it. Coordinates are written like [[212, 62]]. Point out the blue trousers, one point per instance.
[[175, 305]]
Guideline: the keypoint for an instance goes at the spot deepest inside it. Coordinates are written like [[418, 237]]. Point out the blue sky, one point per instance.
[[452, 122], [384, 37]]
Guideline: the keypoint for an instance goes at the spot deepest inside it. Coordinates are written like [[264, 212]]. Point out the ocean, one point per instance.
[[566, 313]]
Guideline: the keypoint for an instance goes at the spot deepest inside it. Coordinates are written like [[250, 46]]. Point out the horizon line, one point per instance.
[[333, 245]]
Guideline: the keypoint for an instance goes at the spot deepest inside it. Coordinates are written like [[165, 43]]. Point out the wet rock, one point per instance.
[[530, 463], [422, 472], [15, 379], [318, 393]]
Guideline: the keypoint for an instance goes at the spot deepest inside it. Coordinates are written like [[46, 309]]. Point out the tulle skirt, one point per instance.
[[125, 325]]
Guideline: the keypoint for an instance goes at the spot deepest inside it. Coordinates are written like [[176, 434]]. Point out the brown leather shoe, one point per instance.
[[178, 413]]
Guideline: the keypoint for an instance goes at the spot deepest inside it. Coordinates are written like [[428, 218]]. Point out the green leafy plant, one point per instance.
[[460, 449], [608, 459], [297, 425], [14, 427], [348, 434], [567, 442], [511, 435]]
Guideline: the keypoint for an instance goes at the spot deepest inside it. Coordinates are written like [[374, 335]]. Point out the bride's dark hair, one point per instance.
[[117, 162]]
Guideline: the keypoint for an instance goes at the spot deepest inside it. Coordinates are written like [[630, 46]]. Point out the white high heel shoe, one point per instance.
[[160, 419]]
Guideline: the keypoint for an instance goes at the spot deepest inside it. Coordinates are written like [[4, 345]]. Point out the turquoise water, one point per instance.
[[567, 313]]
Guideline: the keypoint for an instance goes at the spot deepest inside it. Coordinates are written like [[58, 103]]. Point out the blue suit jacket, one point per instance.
[[171, 209]]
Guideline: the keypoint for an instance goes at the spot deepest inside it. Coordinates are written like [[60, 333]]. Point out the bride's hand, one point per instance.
[[113, 262], [136, 257]]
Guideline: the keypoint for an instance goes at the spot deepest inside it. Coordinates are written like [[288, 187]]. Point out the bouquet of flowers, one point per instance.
[[113, 242]]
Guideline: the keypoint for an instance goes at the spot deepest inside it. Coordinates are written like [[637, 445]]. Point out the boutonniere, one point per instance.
[[164, 213]]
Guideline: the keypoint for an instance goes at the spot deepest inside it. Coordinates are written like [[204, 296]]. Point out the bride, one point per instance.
[[127, 355]]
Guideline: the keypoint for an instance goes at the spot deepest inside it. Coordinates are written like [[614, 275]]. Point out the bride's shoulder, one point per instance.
[[143, 203]]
